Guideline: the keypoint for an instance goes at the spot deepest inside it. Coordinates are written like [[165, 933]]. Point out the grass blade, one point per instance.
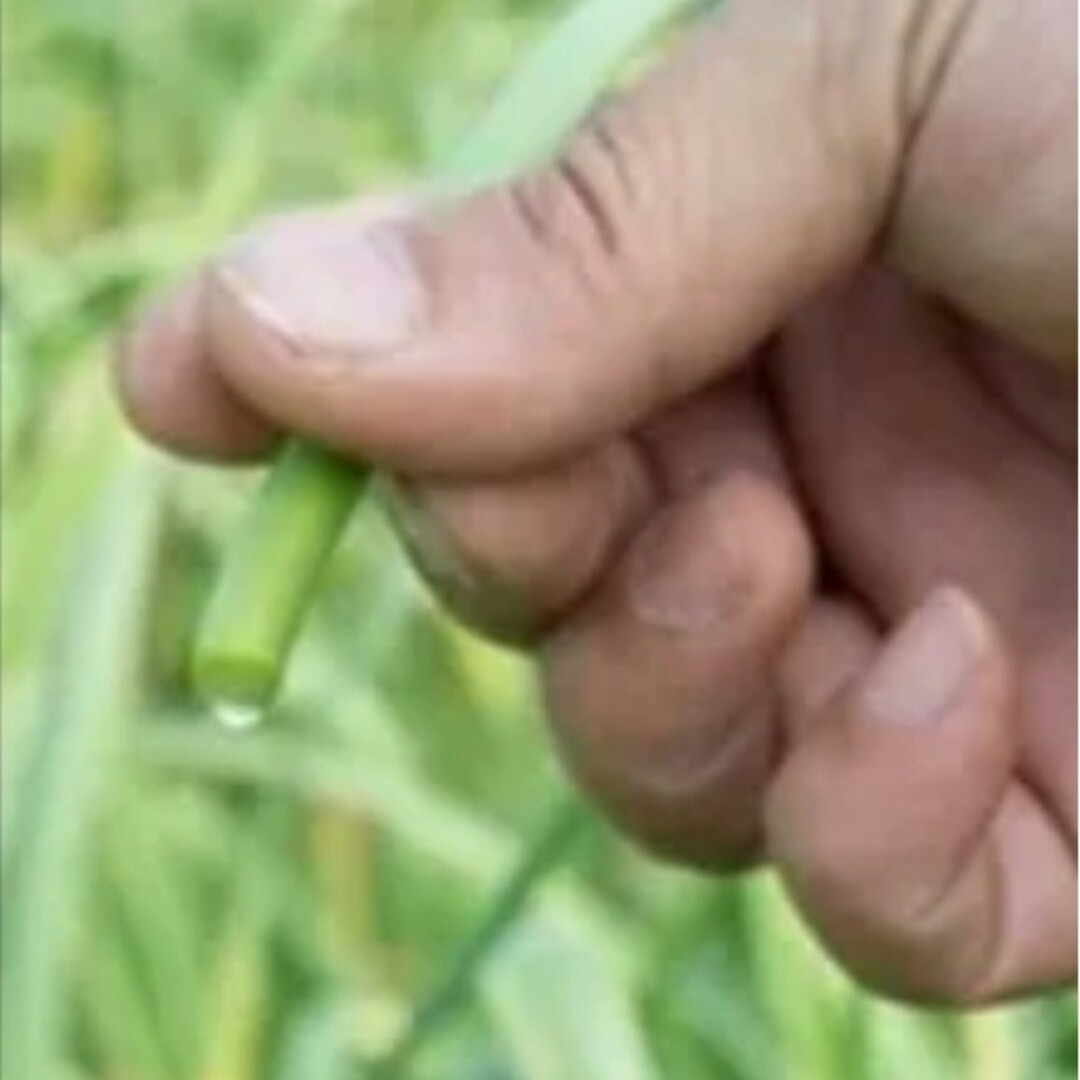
[[86, 701], [562, 1005], [546, 853]]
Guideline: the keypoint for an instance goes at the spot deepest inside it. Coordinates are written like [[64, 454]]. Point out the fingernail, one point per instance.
[[425, 536], [478, 596], [329, 281], [679, 580], [926, 667]]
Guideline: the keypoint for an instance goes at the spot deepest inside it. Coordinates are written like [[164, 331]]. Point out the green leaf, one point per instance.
[[560, 1003], [85, 704], [370, 789]]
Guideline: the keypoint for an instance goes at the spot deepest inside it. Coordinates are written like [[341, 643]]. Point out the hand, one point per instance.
[[755, 413]]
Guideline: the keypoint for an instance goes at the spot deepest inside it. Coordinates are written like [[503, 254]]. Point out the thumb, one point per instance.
[[537, 317]]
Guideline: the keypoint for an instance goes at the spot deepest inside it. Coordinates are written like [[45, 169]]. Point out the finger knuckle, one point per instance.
[[576, 209], [681, 804]]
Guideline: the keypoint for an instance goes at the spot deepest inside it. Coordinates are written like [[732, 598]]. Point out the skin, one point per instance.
[[754, 415]]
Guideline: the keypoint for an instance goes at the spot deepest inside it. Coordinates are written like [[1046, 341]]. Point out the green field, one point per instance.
[[391, 879]]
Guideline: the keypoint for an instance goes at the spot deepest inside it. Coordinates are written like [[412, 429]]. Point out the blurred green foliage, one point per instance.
[[391, 879]]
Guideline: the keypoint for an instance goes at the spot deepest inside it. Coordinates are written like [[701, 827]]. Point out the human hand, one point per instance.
[[755, 414]]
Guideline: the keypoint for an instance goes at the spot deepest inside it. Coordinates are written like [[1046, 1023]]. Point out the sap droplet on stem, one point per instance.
[[236, 716]]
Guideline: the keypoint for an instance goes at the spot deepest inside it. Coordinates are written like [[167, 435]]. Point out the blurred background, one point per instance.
[[390, 879]]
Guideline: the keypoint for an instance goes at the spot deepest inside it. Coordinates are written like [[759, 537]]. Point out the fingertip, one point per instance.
[[943, 662], [879, 818], [299, 323], [922, 732], [660, 686], [169, 391]]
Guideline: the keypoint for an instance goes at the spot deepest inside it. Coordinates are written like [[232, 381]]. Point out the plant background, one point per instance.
[[390, 879]]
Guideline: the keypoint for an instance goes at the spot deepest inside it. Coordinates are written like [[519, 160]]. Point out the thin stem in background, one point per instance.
[[549, 852]]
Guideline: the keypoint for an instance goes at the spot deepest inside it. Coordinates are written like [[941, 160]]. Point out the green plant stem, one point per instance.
[[547, 853], [271, 572], [88, 690], [271, 569]]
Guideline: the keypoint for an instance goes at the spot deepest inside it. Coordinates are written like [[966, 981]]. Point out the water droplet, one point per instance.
[[237, 716]]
